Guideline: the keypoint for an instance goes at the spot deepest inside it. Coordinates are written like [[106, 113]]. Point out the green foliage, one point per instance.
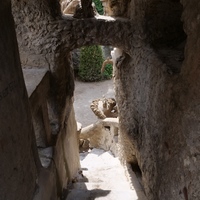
[[91, 59], [98, 6], [108, 71]]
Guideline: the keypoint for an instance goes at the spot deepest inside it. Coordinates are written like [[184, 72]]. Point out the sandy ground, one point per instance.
[[85, 93]]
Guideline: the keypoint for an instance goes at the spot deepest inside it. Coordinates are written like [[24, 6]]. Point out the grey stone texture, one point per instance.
[[17, 152], [49, 79], [156, 82], [158, 112], [57, 148]]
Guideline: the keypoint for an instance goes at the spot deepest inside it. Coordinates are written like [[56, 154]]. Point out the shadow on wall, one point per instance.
[[165, 33]]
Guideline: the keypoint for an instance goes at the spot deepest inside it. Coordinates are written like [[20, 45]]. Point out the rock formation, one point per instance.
[[156, 80], [69, 7], [104, 107], [18, 154]]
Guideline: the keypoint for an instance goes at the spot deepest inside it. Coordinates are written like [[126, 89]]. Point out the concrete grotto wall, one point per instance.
[[18, 155], [158, 102], [45, 39], [49, 80], [157, 93], [23, 175]]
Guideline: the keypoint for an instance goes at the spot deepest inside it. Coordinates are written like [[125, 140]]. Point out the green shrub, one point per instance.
[[98, 6], [91, 59], [108, 71]]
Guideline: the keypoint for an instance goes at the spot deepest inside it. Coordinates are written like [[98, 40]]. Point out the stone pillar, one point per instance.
[[17, 169]]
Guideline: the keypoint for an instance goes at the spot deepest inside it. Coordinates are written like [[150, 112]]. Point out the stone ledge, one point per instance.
[[33, 78]]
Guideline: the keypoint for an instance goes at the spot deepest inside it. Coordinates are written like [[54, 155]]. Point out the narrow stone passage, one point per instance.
[[103, 178]]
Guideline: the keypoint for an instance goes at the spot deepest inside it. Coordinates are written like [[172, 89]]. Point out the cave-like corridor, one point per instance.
[[156, 75]]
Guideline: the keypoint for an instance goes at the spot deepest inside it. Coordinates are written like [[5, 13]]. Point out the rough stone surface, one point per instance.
[[58, 153], [157, 80], [158, 110], [18, 164], [104, 108], [103, 134], [51, 96], [38, 31]]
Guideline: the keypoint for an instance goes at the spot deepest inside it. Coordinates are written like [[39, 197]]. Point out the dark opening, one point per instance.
[[165, 32], [135, 167]]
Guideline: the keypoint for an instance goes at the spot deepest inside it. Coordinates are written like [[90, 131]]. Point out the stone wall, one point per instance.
[[156, 80], [18, 156], [58, 150], [49, 80], [103, 135], [158, 101]]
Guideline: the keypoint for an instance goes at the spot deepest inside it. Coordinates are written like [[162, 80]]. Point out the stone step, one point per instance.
[[112, 175], [102, 186], [77, 194], [92, 161], [103, 178]]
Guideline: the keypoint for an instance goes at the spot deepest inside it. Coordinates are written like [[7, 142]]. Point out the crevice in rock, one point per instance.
[[165, 33], [136, 168]]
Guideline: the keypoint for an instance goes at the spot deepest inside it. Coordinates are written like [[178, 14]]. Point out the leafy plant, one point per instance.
[[91, 59], [108, 71], [98, 6]]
